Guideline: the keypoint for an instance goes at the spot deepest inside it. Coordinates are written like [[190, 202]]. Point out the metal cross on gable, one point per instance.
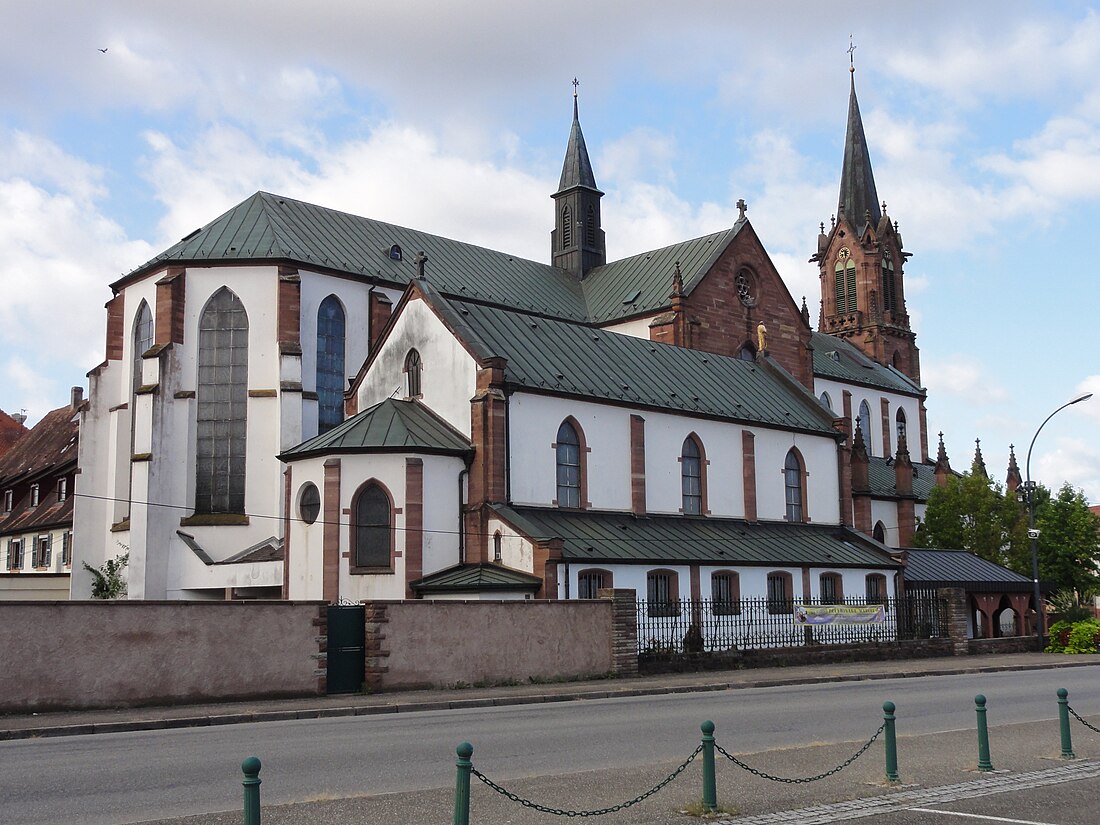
[[742, 207]]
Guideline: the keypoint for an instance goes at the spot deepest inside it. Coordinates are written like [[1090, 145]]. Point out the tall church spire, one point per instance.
[[577, 243], [858, 195]]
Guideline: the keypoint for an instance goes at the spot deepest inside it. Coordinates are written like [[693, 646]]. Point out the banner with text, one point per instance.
[[839, 614]]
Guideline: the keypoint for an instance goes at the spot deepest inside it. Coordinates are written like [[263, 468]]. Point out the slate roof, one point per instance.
[[958, 568], [883, 479], [273, 228], [40, 457], [560, 358], [465, 578], [624, 538], [393, 426], [577, 168], [10, 432], [270, 549], [858, 195], [642, 283], [843, 361]]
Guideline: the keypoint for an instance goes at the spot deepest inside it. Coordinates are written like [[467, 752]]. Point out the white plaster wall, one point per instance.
[[516, 551], [636, 327], [305, 558], [887, 513], [822, 485], [873, 397], [664, 443], [533, 422], [29, 543], [449, 372]]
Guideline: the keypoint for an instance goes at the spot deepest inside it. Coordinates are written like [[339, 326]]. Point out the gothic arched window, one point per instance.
[[331, 331], [747, 353], [143, 340], [899, 423], [794, 486], [222, 405], [691, 477], [569, 452], [413, 369], [845, 281], [826, 401], [373, 533], [879, 533]]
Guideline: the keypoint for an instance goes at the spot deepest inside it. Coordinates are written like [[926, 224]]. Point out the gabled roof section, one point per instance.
[[576, 171], [959, 568], [601, 537], [467, 578], [392, 426], [555, 357], [883, 478], [50, 445], [642, 283], [841, 360], [858, 195], [270, 549], [11, 431], [273, 228]]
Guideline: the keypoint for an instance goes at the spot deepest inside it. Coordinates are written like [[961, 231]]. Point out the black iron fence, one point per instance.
[[709, 626]]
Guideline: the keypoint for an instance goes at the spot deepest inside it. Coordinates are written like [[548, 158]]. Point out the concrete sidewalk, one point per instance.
[[71, 723]]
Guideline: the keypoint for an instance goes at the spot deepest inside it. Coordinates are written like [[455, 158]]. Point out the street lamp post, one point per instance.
[[1032, 533]]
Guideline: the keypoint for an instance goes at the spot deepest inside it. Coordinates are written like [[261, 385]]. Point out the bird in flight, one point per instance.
[[104, 50]]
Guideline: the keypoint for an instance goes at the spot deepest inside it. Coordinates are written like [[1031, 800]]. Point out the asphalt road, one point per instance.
[[131, 777]]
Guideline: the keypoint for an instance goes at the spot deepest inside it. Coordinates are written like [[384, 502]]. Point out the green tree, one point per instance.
[[971, 512], [108, 581], [1068, 548]]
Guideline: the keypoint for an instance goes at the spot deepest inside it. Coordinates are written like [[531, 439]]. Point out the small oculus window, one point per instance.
[[309, 503], [746, 287]]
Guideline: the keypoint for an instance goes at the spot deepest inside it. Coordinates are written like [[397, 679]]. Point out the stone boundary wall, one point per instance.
[[420, 644], [1003, 644], [89, 654]]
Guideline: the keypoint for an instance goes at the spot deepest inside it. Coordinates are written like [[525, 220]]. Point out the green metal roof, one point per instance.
[[391, 426], [268, 227], [464, 578], [622, 537], [557, 357], [843, 361], [883, 479], [642, 283]]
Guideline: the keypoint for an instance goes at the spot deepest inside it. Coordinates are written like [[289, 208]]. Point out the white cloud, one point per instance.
[[965, 377], [1076, 460]]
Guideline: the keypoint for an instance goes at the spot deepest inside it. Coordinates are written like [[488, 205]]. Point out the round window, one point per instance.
[[309, 503], [745, 287]]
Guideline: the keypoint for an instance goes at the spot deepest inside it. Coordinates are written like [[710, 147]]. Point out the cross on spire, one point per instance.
[[576, 83], [851, 55]]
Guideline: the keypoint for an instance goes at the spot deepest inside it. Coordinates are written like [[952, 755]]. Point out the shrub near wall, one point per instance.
[[1075, 637], [69, 655]]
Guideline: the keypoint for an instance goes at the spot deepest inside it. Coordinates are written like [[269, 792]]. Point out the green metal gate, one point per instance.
[[346, 651]]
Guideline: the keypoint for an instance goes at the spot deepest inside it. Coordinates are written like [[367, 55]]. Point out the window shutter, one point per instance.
[[49, 551]]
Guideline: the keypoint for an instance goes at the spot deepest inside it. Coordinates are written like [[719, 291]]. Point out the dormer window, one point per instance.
[[395, 253], [9, 497], [62, 489], [34, 495]]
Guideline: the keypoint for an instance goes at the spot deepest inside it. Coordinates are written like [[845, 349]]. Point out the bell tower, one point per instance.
[[577, 243], [861, 260]]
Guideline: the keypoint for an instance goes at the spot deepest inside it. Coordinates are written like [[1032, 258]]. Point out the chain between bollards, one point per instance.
[[251, 769], [983, 735], [890, 742], [710, 789], [1063, 724], [462, 783]]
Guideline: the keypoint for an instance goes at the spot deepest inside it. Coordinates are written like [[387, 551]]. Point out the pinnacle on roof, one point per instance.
[[978, 465], [577, 169], [858, 196]]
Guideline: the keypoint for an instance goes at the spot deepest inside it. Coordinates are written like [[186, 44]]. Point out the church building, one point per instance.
[[302, 403]]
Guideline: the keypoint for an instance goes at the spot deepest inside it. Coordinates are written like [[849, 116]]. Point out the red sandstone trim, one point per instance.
[[414, 522]]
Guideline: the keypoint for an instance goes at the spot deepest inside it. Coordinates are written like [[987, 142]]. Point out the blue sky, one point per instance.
[[983, 120]]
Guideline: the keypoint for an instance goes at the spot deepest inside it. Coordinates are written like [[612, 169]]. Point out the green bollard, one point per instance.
[[1063, 723], [462, 783], [251, 782], [710, 792], [983, 735], [891, 742]]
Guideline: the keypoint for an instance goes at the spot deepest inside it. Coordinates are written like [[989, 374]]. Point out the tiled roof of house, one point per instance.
[[40, 457], [958, 568], [605, 537], [466, 578], [843, 361], [390, 426], [10, 432], [556, 357]]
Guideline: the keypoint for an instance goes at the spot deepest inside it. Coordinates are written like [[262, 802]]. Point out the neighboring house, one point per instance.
[[669, 422], [37, 478], [11, 430]]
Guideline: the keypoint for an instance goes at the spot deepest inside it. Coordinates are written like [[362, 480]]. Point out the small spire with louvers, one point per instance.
[[577, 169], [858, 197]]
